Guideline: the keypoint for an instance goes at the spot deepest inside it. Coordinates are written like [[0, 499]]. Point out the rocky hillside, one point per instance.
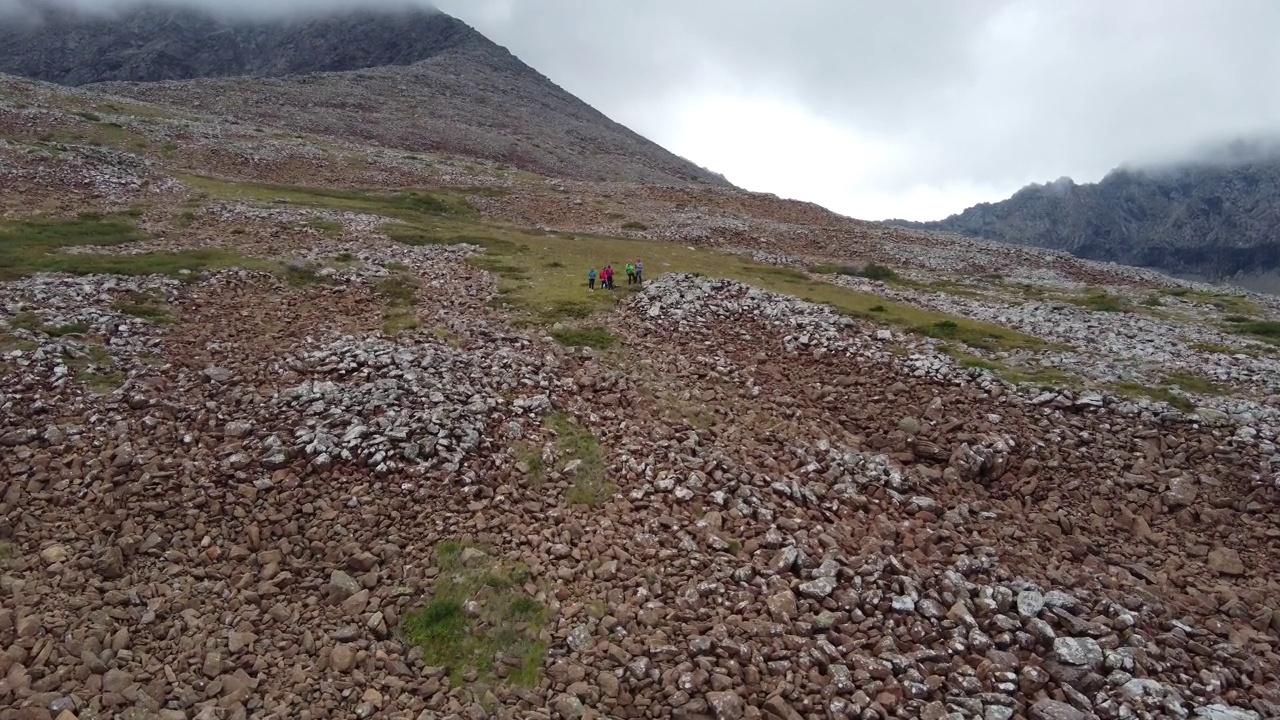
[[153, 42], [295, 425], [439, 84], [1211, 219]]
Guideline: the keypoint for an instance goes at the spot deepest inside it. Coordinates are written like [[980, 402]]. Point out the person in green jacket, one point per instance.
[[631, 274]]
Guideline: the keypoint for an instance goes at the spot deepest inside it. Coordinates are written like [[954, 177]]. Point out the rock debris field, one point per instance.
[[304, 471]]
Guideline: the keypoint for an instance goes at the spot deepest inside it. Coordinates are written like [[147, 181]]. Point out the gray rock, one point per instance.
[[1030, 603], [819, 588], [343, 585], [1182, 492], [783, 605], [217, 374], [726, 705], [580, 639], [1054, 710], [1082, 652], [1225, 561], [1225, 712]]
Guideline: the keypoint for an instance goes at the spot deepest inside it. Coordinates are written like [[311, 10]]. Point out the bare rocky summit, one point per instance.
[[302, 423]]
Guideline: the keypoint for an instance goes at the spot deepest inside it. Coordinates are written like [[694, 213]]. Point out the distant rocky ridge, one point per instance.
[[450, 88], [1217, 217]]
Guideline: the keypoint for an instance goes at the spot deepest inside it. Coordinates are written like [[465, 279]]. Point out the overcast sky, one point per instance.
[[907, 108], [898, 108]]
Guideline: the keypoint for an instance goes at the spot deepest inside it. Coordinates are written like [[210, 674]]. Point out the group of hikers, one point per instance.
[[635, 272]]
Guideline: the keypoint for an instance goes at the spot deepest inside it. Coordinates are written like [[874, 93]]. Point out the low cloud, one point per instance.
[[225, 8], [925, 104]]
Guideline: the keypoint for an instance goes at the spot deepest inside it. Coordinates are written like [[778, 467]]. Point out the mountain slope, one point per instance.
[[1211, 219], [151, 43], [412, 78]]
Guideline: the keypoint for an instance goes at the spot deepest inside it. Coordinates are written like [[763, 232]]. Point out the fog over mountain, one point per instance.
[[1214, 214]]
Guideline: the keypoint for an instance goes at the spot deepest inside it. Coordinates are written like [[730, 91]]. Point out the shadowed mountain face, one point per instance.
[[415, 79], [150, 43], [1214, 219]]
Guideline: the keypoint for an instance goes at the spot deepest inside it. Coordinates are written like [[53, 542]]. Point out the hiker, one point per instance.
[[631, 274], [591, 279], [608, 276], [639, 272]]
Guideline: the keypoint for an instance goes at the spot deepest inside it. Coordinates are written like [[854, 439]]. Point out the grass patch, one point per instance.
[[632, 225], [969, 360], [979, 337], [101, 382], [529, 459], [592, 337], [1099, 300], [28, 246], [325, 225], [542, 275], [1159, 394], [879, 272], [9, 343], [590, 486], [1220, 349], [1268, 330], [870, 271], [302, 275], [1193, 383], [32, 322], [400, 293], [412, 205], [31, 246], [145, 306], [481, 619], [1222, 301]]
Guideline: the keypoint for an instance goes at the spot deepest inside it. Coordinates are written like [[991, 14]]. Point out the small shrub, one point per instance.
[[1102, 301], [90, 116], [1266, 329], [878, 272], [1159, 394], [877, 308], [400, 291], [590, 487], [144, 306], [632, 225], [302, 275], [32, 322], [325, 225], [500, 637], [1220, 349], [943, 329], [592, 337], [1193, 383]]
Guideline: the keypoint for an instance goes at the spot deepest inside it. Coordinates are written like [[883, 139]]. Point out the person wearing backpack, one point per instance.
[[591, 279]]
